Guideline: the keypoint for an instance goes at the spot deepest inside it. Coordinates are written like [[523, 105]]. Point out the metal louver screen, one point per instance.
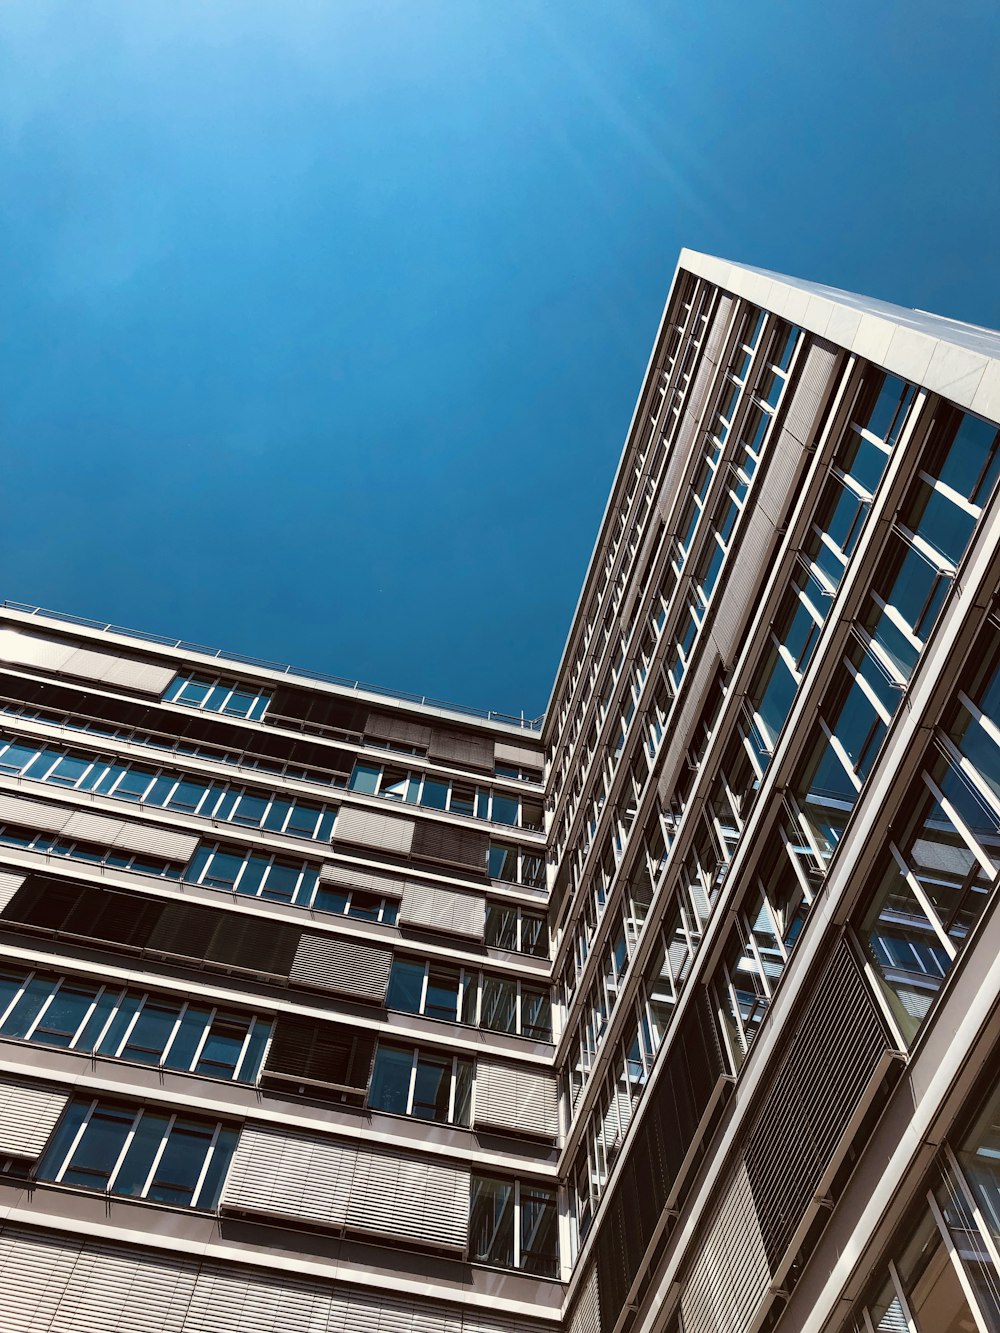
[[370, 828], [462, 748], [28, 1115], [675, 1110], [437, 908], [343, 965], [387, 727], [312, 1053], [435, 841], [586, 1313], [730, 1276], [831, 1061], [510, 1096]]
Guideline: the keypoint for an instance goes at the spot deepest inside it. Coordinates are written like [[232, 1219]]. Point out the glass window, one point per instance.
[[538, 1230], [501, 926], [390, 1082], [406, 984], [365, 779], [491, 1222]]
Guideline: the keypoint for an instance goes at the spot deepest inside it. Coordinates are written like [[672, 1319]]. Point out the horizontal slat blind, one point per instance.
[[318, 1179], [71, 660], [28, 1115], [48, 1281], [370, 828], [291, 1175], [443, 909], [369, 881], [40, 815], [462, 748], [387, 727], [435, 841], [88, 827], [510, 1096], [414, 1198], [313, 1052], [343, 965], [9, 885], [519, 756], [152, 840]]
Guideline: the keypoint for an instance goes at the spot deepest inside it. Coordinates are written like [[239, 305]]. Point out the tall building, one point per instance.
[[325, 1008]]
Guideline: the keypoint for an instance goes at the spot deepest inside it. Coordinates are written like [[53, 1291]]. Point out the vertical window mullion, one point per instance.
[[113, 1174], [204, 1038], [131, 1025], [158, 1155], [210, 1153], [173, 1033], [411, 1086], [76, 1141], [46, 1005], [86, 1017]]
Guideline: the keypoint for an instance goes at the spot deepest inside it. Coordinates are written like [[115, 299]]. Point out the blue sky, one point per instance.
[[322, 323]]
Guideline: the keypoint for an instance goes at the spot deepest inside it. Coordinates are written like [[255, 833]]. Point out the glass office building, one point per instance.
[[675, 1011]]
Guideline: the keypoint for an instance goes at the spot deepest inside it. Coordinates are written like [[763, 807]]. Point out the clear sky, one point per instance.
[[321, 321]]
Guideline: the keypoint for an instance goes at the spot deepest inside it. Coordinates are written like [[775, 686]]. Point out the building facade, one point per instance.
[[677, 1011]]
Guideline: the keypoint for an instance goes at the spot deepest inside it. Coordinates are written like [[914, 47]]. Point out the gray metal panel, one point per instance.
[[510, 1096], [443, 909], [415, 1198], [730, 1275], [33, 649], [143, 677], [680, 730], [744, 574], [385, 726], [810, 389], [519, 755], [343, 965], [286, 1174], [116, 669], [41, 815], [28, 1115], [9, 885], [586, 1314], [370, 828], [353, 877], [153, 840]]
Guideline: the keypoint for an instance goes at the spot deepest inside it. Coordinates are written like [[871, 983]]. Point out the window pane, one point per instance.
[[491, 1222], [538, 1231], [189, 1034], [223, 1046], [405, 985], [65, 1014], [499, 1004], [148, 1039], [442, 993], [180, 1165], [432, 1087], [134, 1172], [98, 1149], [390, 1084]]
